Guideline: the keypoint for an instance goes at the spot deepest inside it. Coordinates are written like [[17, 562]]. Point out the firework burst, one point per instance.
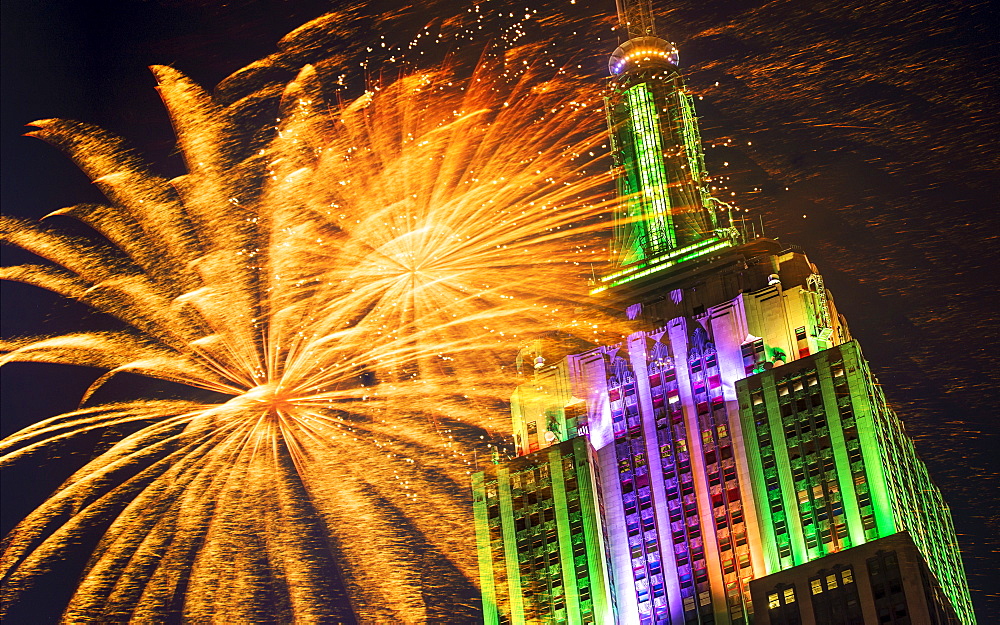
[[350, 292]]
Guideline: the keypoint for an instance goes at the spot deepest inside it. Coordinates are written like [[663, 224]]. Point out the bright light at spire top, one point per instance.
[[642, 46]]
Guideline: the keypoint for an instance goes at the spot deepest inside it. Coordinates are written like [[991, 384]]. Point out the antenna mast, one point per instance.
[[637, 17]]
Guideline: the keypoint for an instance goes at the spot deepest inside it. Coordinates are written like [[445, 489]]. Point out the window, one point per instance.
[[772, 601], [847, 576], [817, 586], [789, 595], [753, 354], [801, 342]]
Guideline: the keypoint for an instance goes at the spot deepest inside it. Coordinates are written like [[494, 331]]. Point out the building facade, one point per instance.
[[694, 479], [541, 543], [885, 581], [832, 468], [661, 413]]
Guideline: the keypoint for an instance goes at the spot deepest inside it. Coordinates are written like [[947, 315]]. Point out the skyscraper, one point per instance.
[[698, 488], [831, 467]]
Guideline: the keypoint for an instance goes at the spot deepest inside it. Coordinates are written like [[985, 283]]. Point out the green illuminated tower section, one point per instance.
[[832, 467], [665, 208], [540, 540]]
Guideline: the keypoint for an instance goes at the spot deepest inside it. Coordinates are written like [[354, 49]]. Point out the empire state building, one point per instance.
[[733, 460]]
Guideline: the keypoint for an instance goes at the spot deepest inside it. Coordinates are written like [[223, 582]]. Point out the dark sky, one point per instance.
[[879, 118]]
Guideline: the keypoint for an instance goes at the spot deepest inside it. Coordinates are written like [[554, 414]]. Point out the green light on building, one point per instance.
[[663, 261], [648, 142], [832, 468], [539, 538], [692, 147], [665, 209]]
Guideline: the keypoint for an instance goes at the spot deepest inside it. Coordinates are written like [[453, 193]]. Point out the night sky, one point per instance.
[[865, 132]]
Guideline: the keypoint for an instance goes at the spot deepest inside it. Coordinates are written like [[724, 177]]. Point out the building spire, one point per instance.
[[666, 214], [637, 17]]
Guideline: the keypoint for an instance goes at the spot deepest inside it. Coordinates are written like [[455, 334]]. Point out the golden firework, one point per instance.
[[352, 291]]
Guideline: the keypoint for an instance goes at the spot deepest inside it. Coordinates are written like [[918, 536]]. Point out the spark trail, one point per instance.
[[351, 292]]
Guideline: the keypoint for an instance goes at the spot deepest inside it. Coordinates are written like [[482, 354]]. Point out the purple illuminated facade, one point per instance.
[[661, 411]]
